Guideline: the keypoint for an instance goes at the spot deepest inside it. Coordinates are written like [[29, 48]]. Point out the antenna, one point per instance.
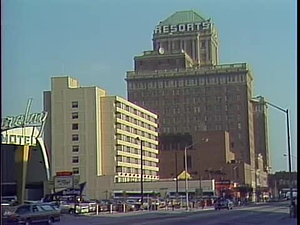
[[63, 69]]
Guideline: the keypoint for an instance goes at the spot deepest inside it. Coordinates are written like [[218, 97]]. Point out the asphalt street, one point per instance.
[[271, 213]]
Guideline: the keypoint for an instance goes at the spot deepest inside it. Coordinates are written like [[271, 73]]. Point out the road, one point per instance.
[[271, 213]]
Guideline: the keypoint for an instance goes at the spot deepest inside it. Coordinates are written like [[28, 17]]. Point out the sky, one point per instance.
[[95, 41]]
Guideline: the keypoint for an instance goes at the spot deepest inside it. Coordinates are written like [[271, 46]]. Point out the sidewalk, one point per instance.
[[148, 212]]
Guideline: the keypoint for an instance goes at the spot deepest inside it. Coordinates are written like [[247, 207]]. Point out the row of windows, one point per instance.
[[188, 91], [131, 179], [198, 109], [181, 82], [218, 118], [136, 131], [135, 151], [122, 169], [187, 100], [135, 161], [135, 121], [135, 141], [200, 127], [135, 111]]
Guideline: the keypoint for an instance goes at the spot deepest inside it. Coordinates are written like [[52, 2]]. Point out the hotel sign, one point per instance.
[[24, 120], [17, 139], [182, 27], [23, 129]]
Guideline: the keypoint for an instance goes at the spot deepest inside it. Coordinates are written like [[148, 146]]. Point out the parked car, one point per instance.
[[9, 198], [223, 204], [5, 203], [32, 213], [78, 208]]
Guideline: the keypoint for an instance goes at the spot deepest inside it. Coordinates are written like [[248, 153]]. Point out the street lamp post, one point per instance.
[[186, 181], [142, 185], [176, 174], [286, 111]]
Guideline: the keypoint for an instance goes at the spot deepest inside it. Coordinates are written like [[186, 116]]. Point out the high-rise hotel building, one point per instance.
[[95, 136], [182, 81]]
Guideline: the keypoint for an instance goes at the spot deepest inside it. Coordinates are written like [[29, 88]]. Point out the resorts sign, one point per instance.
[[166, 29]]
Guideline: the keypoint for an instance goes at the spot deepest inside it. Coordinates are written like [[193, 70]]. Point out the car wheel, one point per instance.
[[71, 211], [28, 222]]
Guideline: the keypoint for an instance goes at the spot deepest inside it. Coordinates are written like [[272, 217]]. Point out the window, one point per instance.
[[75, 126], [218, 107], [75, 148], [239, 126], [218, 127], [75, 104], [74, 115], [75, 170], [23, 210], [75, 137], [46, 207], [75, 159]]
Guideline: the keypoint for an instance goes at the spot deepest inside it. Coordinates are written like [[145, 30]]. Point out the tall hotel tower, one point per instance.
[[182, 81]]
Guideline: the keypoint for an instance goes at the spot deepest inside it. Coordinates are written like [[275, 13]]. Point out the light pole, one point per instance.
[[142, 186], [186, 180], [286, 111], [176, 174]]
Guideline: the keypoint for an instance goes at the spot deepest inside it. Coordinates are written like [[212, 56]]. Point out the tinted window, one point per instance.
[[47, 207], [23, 209]]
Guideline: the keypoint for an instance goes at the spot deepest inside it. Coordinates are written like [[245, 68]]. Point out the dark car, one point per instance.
[[223, 204], [32, 213]]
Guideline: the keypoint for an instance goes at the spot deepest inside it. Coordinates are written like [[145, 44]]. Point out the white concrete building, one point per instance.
[[95, 136]]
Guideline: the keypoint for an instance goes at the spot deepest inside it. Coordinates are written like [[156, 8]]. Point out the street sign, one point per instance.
[[64, 182], [71, 191]]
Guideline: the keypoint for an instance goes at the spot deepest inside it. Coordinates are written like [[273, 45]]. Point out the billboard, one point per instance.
[[66, 181]]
